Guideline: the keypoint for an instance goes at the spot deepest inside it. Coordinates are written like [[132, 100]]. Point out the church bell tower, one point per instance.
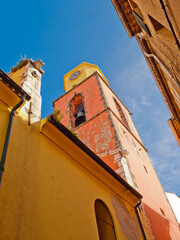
[[94, 111]]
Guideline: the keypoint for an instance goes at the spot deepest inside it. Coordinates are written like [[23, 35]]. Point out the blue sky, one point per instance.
[[65, 33]]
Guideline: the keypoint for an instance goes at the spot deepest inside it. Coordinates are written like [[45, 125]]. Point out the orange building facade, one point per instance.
[[103, 123], [156, 26]]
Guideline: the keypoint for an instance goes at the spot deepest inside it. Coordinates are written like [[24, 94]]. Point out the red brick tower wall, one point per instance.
[[92, 98], [109, 131], [97, 132]]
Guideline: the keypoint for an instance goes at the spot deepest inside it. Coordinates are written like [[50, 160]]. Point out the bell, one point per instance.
[[80, 114], [80, 118]]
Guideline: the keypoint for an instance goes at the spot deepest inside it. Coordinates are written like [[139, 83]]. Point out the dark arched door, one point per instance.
[[104, 222]]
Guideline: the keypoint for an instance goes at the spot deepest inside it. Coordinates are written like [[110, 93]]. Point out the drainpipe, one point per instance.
[[139, 220], [162, 66], [6, 143], [148, 55]]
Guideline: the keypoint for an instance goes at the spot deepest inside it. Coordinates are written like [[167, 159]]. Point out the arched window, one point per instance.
[[121, 114], [104, 222], [77, 112]]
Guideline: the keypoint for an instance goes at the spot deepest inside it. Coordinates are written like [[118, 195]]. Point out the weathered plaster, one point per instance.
[[126, 219]]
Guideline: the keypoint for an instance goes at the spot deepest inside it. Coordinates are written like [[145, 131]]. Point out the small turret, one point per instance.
[[28, 74]]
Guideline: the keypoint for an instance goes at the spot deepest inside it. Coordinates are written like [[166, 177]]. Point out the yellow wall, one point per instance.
[[48, 190], [4, 116], [47, 194], [18, 75]]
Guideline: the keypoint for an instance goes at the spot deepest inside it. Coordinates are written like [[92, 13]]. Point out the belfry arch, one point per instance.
[[77, 110]]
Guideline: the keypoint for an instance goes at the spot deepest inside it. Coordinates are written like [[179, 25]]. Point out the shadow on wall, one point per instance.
[[159, 224]]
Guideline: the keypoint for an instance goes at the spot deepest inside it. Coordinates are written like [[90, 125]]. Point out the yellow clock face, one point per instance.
[[74, 75]]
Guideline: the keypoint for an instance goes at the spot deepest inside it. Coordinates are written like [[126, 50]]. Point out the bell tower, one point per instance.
[[72, 79], [94, 111]]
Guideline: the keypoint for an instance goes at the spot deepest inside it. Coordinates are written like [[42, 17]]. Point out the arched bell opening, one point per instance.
[[77, 111]]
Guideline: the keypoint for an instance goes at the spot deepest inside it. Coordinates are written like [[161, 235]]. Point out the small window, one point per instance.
[[157, 26], [104, 221], [145, 169], [162, 211], [141, 23], [77, 112]]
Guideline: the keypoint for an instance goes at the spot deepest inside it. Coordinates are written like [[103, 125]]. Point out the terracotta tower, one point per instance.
[[104, 124]]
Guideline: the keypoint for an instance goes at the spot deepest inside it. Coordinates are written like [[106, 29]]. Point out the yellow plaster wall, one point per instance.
[[8, 99], [18, 75], [47, 194], [4, 118]]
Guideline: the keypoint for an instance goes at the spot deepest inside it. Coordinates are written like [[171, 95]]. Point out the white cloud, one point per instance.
[[146, 101]]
